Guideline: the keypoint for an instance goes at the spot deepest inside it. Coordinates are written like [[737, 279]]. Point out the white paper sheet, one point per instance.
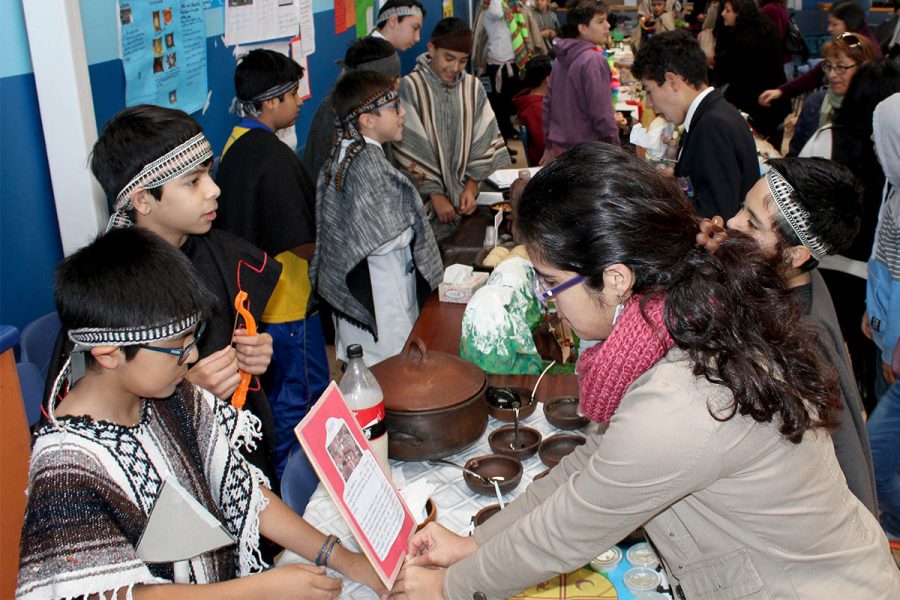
[[256, 20]]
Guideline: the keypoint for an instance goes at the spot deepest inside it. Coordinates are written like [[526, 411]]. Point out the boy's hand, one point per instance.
[[300, 581], [443, 208], [467, 202], [769, 96], [254, 352], [217, 373]]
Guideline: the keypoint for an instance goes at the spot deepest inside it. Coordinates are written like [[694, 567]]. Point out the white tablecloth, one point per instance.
[[456, 504]]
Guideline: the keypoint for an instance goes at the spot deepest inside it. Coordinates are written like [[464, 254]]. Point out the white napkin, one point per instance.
[[416, 494], [457, 273]]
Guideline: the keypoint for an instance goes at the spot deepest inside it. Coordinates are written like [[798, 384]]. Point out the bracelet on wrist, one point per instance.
[[327, 548]]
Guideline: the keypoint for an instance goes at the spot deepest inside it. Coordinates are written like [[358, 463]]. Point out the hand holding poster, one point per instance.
[[361, 490]]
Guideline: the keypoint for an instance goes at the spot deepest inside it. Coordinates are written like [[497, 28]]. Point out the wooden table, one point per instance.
[[439, 324]]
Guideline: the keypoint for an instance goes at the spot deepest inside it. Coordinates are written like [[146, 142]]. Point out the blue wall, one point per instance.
[[30, 244]]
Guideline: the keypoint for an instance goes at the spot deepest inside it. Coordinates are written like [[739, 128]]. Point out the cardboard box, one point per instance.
[[461, 293]]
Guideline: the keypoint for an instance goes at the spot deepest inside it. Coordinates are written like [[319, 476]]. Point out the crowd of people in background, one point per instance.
[[346, 242]]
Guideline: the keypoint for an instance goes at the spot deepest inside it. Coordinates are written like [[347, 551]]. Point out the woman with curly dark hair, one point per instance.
[[718, 411], [748, 60]]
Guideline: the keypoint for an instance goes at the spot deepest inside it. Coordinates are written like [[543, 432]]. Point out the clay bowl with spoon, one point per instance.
[[505, 470], [522, 444]]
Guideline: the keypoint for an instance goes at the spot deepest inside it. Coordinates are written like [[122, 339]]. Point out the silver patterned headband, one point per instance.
[[172, 164], [248, 107], [400, 11], [796, 216], [92, 337]]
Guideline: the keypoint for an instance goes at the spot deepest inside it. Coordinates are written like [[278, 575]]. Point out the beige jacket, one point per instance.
[[734, 509]]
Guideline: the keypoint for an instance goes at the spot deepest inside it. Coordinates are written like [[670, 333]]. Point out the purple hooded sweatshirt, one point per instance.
[[578, 105]]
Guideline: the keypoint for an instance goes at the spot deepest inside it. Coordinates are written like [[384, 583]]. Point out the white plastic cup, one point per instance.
[[607, 561], [641, 579], [642, 555]]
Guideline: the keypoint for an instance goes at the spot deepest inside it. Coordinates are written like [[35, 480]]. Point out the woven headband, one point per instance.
[[370, 105], [174, 163], [460, 41], [400, 11], [242, 107], [389, 66], [92, 337], [796, 216]]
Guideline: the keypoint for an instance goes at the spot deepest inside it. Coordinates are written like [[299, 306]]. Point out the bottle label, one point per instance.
[[372, 421]]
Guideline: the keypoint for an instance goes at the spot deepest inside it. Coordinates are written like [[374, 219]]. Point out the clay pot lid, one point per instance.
[[419, 379]]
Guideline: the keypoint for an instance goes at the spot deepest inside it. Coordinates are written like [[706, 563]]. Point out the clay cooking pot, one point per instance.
[[434, 402]]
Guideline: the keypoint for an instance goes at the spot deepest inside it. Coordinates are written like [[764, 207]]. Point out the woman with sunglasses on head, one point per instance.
[[717, 410], [843, 18], [842, 58]]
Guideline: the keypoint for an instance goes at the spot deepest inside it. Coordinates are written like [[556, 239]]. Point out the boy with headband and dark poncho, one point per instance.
[[132, 427], [376, 258], [451, 139], [268, 198]]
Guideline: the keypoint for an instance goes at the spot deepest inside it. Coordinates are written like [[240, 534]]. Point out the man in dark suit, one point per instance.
[[717, 163]]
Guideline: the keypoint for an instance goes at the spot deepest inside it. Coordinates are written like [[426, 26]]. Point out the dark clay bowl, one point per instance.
[[501, 440], [493, 465], [555, 447], [485, 513], [500, 399], [430, 511], [563, 413]]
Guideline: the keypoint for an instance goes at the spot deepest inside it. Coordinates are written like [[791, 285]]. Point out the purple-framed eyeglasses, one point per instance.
[[545, 294]]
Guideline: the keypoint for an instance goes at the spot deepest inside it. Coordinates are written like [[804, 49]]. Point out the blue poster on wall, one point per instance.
[[164, 53]]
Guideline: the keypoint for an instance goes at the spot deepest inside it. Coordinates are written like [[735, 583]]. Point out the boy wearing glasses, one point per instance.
[[153, 164], [268, 198], [376, 257], [130, 427]]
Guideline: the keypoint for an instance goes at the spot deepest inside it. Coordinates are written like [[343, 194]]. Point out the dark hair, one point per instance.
[[128, 278], [751, 19], [598, 205], [366, 50], [260, 70], [537, 69], [356, 87], [830, 194], [851, 13], [581, 14], [397, 3], [449, 26], [133, 138], [671, 52]]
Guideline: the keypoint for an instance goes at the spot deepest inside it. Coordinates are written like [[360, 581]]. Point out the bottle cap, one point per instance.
[[354, 351]]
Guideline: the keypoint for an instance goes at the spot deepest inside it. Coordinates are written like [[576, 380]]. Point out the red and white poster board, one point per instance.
[[353, 477]]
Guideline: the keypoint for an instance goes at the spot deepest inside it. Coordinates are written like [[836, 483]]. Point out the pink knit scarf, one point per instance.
[[606, 370]]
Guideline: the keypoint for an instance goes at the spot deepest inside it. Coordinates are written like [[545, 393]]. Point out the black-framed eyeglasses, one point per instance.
[[545, 294], [393, 106], [839, 69], [181, 353]]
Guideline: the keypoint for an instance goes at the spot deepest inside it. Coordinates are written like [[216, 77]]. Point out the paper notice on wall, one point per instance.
[[163, 49], [257, 20], [299, 56], [448, 8], [307, 27]]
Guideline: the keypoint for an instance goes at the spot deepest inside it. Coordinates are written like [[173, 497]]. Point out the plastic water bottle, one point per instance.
[[366, 400]]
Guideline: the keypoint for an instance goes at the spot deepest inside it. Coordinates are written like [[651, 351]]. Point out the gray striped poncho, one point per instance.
[[450, 136], [377, 204], [92, 485]]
